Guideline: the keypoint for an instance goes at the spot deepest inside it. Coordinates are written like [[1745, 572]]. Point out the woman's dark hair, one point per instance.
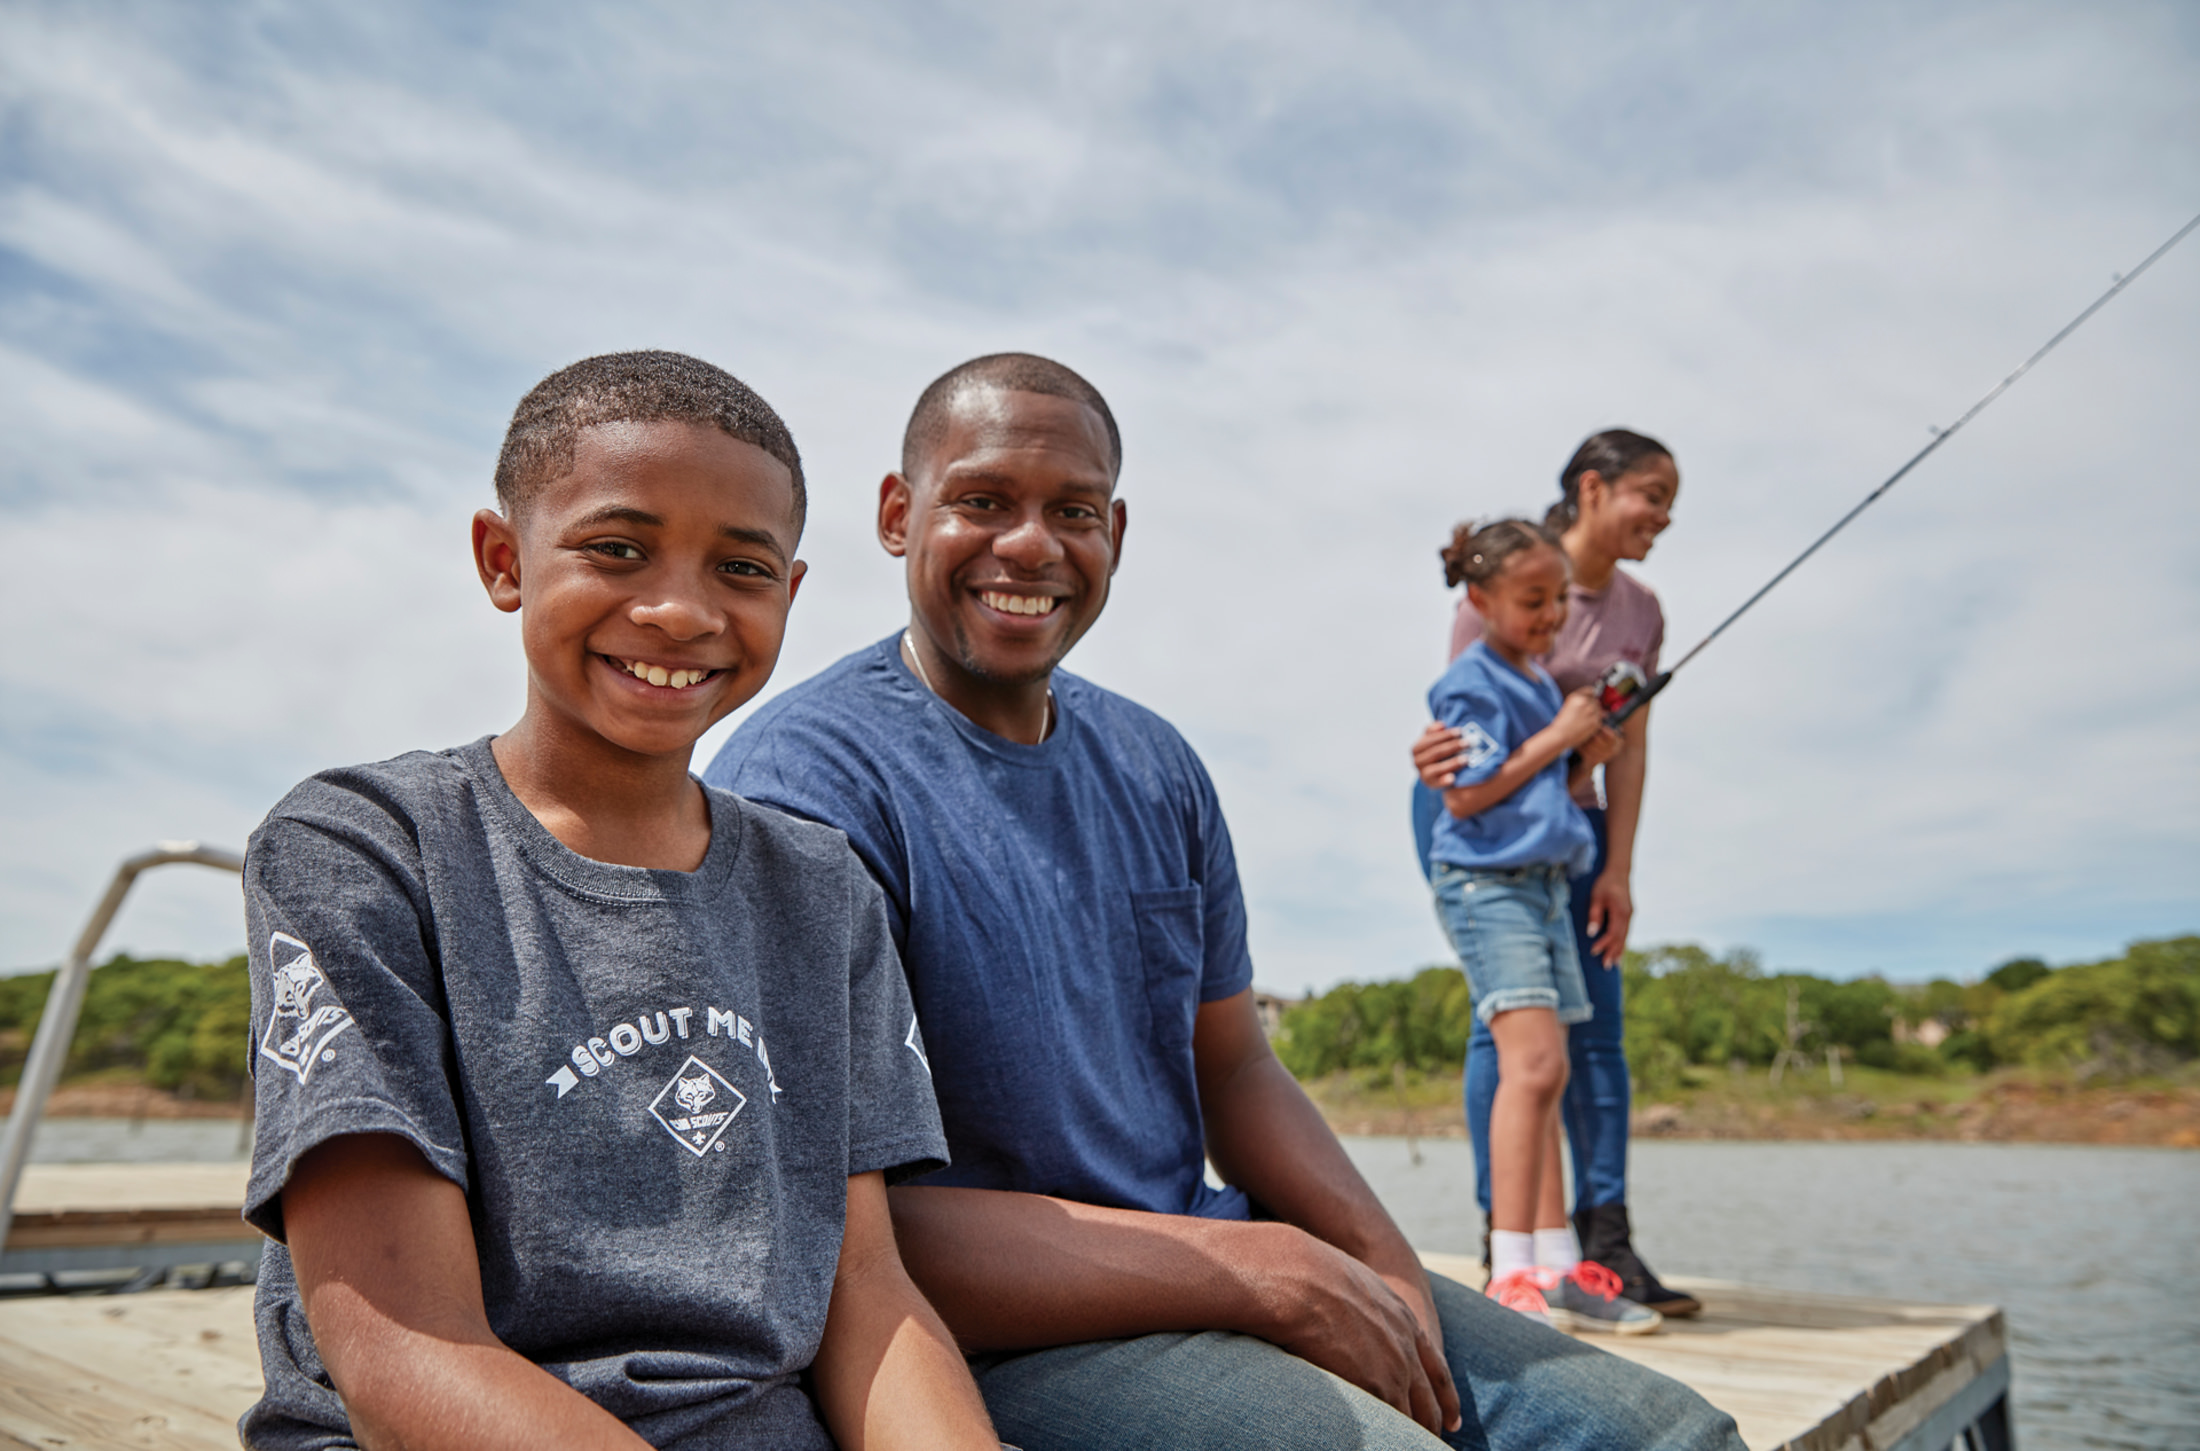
[[1477, 555], [1609, 455]]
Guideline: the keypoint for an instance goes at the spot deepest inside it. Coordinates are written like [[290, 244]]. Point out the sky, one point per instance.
[[272, 278]]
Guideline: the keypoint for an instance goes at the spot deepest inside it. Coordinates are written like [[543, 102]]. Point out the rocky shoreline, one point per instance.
[[2011, 1111]]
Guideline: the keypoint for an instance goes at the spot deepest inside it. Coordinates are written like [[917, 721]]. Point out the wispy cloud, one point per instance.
[[271, 280]]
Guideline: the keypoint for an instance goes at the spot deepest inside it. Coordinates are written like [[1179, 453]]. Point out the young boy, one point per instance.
[[579, 1083]]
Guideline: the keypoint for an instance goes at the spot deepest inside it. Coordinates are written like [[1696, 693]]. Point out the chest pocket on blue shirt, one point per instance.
[[1171, 940]]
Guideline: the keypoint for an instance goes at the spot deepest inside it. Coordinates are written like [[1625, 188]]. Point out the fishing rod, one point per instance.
[[1625, 689]]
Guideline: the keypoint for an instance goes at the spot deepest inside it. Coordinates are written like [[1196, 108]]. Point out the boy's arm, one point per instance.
[[887, 1372], [1336, 1285], [1578, 720], [391, 1284]]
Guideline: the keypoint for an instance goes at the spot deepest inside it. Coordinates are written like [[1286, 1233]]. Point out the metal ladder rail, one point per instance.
[[65, 1001]]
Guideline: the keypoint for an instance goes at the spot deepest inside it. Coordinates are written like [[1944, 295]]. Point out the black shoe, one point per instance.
[[1607, 1239]]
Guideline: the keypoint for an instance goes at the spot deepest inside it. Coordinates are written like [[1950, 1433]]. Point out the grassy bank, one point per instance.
[[2100, 1052], [2003, 1106]]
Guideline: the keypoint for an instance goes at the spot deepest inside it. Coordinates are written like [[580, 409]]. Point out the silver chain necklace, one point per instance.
[[916, 662]]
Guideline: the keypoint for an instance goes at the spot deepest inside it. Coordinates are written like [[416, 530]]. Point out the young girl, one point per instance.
[[1510, 837], [1616, 499]]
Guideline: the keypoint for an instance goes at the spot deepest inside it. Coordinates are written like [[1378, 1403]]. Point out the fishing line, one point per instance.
[[1639, 696]]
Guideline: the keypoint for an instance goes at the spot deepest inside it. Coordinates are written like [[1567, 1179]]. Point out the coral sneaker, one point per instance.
[[1523, 1290], [1587, 1297]]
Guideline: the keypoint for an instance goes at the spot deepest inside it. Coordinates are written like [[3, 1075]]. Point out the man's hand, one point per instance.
[[1611, 909], [1332, 1311], [1438, 754]]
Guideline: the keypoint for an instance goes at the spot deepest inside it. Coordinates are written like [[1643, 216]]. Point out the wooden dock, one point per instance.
[[80, 1217], [171, 1370], [1804, 1372]]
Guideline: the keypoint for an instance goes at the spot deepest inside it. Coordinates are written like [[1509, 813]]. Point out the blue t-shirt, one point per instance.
[[1062, 911], [1497, 708]]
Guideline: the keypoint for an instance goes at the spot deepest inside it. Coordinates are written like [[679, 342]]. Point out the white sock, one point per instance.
[[1510, 1249], [1556, 1249]]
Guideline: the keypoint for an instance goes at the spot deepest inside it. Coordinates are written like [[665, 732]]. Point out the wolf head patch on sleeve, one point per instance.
[[306, 1016]]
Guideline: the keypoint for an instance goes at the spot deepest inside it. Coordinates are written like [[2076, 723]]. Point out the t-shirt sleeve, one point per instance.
[[1657, 634], [784, 761], [348, 1036], [893, 1120], [1469, 706], [1227, 966]]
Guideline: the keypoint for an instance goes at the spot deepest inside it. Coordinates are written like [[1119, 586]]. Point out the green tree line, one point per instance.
[[2138, 1013], [185, 1026], [179, 1026]]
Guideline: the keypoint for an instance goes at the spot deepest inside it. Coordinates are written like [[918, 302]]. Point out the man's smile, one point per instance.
[[665, 677], [1018, 604]]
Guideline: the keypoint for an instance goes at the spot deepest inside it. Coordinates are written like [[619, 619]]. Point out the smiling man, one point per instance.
[[1060, 880]]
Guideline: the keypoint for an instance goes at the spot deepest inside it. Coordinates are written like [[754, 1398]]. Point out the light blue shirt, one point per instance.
[[1496, 708]]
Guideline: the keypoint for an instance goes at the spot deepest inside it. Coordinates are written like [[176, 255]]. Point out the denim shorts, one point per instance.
[[1515, 937]]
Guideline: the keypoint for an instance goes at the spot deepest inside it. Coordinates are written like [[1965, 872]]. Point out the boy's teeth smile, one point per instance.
[[1018, 604], [658, 675]]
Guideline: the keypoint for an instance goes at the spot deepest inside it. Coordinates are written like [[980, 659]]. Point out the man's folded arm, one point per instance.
[[1012, 1271], [391, 1284], [1267, 1138]]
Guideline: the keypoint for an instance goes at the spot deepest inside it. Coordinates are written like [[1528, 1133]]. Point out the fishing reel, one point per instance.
[[1618, 688]]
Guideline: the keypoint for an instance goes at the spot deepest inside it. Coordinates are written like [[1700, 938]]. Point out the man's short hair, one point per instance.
[[643, 387], [1016, 372]]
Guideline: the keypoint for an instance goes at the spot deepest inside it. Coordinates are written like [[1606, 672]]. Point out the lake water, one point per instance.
[[141, 1141], [2093, 1253]]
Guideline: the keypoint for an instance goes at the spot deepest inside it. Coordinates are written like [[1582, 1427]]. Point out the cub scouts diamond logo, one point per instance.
[[299, 1031], [696, 1106], [1480, 746]]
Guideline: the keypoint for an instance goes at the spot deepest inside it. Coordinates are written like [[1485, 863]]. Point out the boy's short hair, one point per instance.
[[641, 387], [1015, 372]]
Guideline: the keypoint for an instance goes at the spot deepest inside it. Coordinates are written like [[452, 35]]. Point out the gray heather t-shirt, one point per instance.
[[652, 1085]]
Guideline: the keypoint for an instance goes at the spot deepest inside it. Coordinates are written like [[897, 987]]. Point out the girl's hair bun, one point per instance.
[[1478, 553]]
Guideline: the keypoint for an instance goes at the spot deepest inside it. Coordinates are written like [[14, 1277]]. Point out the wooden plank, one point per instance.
[[166, 1371], [77, 1229], [54, 1188], [73, 1206]]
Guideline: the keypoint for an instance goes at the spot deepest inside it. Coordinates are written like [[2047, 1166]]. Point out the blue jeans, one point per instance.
[[1522, 1387], [1598, 1094]]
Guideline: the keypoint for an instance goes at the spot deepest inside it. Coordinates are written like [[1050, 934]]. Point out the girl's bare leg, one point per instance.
[[1531, 1076], [1550, 1202]]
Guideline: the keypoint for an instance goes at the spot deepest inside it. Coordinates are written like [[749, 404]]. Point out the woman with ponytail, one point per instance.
[[1616, 497]]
